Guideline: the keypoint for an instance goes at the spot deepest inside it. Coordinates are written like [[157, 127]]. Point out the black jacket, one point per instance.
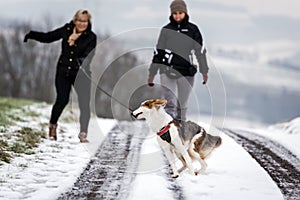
[[180, 39], [71, 57]]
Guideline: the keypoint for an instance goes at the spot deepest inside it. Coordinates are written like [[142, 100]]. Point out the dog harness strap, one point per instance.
[[166, 137], [164, 129]]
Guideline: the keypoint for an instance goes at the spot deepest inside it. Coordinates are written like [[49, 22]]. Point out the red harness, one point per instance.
[[164, 130]]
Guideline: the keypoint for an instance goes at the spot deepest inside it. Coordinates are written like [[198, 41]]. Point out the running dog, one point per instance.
[[187, 140]]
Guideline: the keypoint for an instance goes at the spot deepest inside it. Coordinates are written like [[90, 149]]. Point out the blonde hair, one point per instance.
[[82, 12]]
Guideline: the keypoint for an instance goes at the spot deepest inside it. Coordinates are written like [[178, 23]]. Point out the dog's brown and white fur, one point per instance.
[[194, 143]]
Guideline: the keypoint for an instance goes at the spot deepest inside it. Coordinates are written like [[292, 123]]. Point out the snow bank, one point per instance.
[[286, 134]]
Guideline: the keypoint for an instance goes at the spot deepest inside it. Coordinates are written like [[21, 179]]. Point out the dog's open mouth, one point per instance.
[[136, 116]]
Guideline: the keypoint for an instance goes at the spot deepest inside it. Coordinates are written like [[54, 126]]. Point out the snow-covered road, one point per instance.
[[280, 163], [128, 163], [232, 174], [110, 172], [114, 167]]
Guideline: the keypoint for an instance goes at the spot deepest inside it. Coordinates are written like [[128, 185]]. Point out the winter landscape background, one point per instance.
[[254, 56], [254, 46]]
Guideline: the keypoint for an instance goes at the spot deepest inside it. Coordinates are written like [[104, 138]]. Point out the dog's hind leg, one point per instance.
[[202, 163], [196, 155], [188, 162]]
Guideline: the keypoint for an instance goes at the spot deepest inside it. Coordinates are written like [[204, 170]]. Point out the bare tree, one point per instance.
[[27, 69]]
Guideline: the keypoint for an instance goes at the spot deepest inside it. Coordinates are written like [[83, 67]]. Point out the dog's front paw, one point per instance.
[[199, 172], [191, 172]]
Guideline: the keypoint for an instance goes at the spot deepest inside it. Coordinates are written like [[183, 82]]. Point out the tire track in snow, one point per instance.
[[282, 165], [109, 174], [174, 185]]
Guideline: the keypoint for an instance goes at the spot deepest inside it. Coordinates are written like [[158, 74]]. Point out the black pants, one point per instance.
[[82, 86]]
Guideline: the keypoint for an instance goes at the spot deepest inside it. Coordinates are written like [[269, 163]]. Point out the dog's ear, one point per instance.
[[149, 103], [163, 102], [160, 103]]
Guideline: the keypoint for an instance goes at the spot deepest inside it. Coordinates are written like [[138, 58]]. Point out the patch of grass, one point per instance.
[[7, 136], [24, 140], [12, 103], [3, 129], [3, 144], [31, 113], [9, 104], [28, 139], [3, 120], [43, 125], [18, 148], [15, 117], [4, 156]]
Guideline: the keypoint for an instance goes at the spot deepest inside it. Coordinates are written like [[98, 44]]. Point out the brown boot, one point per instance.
[[82, 137], [52, 131]]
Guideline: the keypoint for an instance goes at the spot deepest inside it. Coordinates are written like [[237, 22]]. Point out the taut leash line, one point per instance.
[[105, 92]]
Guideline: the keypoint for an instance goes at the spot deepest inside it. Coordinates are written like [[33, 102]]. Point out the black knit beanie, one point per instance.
[[178, 5]]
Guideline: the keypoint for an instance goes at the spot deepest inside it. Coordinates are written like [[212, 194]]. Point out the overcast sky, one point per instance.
[[230, 21]]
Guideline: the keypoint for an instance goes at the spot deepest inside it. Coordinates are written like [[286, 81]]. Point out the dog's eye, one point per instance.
[[147, 104]]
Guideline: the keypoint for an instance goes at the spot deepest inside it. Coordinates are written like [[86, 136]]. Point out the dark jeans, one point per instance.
[[82, 86]]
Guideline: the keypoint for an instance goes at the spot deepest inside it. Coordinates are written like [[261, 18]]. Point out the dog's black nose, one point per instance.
[[136, 115]]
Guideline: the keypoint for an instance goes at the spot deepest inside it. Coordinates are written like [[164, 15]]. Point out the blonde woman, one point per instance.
[[77, 44]]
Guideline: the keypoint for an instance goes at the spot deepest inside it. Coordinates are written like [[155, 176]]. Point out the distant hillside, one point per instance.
[[258, 87]]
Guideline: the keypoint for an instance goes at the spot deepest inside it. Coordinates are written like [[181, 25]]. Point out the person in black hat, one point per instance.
[[180, 41], [78, 43]]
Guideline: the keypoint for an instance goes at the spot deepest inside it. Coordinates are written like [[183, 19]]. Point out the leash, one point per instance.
[[105, 92]]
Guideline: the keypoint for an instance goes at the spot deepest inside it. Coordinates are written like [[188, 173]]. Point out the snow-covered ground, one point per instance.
[[286, 133], [231, 174], [55, 166]]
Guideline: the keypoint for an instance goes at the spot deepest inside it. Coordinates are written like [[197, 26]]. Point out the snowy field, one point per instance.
[[231, 174], [55, 166]]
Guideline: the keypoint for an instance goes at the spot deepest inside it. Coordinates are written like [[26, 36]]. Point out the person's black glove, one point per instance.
[[26, 37]]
